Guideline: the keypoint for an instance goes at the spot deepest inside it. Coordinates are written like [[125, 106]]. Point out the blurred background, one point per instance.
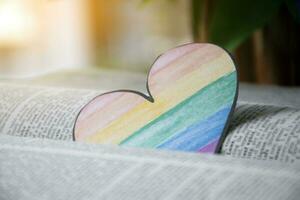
[[42, 36]]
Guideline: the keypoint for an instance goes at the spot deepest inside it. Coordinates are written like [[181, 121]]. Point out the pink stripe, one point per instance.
[[209, 148], [124, 102], [95, 106], [171, 56], [165, 76]]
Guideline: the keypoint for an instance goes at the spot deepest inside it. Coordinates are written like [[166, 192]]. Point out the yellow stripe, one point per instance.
[[196, 60], [170, 97], [102, 117]]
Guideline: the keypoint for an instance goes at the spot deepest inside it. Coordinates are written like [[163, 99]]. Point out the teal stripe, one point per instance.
[[200, 134], [202, 104]]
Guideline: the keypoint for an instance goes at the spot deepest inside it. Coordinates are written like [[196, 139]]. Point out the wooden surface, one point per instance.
[[192, 90]]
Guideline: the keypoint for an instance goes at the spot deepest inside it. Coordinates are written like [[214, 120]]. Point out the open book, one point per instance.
[[190, 98], [40, 160]]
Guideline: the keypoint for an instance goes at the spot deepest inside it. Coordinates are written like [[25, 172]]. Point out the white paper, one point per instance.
[[41, 112], [36, 169], [264, 132]]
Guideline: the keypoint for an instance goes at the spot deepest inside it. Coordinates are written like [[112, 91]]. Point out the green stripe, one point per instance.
[[204, 103]]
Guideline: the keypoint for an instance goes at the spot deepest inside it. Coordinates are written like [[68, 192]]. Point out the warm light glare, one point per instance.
[[16, 23]]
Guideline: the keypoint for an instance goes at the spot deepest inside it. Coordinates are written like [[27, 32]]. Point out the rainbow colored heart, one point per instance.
[[192, 94]]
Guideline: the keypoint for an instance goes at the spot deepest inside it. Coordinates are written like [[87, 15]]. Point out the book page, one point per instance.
[[270, 95], [88, 78], [264, 132], [41, 112], [39, 169]]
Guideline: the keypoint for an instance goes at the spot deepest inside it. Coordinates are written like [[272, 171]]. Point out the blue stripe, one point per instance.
[[200, 134]]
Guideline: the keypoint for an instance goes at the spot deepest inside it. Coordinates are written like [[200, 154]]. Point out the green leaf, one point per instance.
[[196, 8], [294, 8], [235, 20]]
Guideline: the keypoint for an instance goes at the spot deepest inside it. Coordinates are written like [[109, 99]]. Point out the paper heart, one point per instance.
[[192, 93]]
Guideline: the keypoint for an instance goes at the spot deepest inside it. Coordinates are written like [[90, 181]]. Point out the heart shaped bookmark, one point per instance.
[[192, 94]]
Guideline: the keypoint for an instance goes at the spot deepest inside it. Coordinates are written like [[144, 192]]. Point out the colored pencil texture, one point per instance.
[[193, 89]]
